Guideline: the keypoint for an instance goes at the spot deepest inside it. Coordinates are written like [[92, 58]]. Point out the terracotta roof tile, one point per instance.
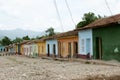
[[103, 22], [65, 34]]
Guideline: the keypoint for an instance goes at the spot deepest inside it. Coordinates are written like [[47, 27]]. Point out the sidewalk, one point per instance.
[[85, 61]]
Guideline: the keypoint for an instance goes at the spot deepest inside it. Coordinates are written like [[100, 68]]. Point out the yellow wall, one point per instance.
[[63, 45], [41, 48], [22, 49], [16, 48]]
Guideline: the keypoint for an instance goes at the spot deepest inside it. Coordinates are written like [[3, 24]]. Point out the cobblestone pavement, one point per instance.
[[24, 68]]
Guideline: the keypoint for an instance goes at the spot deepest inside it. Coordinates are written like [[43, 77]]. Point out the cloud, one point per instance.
[[38, 15]]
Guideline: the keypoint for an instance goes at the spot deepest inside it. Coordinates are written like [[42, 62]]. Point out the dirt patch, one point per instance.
[[102, 77], [24, 68]]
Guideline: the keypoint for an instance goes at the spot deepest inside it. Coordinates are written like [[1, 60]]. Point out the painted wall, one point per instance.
[[85, 42], [15, 46], [22, 49], [64, 48], [51, 43], [11, 50], [34, 48], [26, 50], [2, 48], [30, 49], [110, 37], [41, 48]]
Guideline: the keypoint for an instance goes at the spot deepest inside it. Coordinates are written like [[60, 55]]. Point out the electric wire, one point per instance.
[[60, 20], [70, 12], [108, 7]]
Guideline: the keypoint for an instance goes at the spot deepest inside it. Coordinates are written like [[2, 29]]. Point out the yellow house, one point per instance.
[[41, 47]]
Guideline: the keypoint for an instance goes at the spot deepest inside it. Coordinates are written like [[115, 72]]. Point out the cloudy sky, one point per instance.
[[38, 15]]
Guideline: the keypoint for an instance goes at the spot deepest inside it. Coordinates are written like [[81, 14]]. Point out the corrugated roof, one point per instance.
[[103, 22]]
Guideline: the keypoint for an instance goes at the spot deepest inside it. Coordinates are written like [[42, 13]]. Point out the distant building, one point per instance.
[[2, 48]]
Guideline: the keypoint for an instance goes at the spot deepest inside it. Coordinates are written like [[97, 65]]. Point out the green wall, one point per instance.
[[110, 37]]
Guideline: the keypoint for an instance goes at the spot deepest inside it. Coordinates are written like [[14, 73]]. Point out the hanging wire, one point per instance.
[[70, 12], [61, 24], [108, 7]]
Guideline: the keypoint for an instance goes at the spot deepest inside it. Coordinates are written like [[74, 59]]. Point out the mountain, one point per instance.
[[12, 34]]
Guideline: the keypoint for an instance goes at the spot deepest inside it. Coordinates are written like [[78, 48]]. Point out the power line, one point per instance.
[[61, 24], [108, 7], [70, 12]]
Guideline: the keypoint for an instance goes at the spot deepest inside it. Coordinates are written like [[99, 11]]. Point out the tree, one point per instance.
[[5, 41], [87, 19], [26, 38], [17, 40], [50, 31], [40, 37]]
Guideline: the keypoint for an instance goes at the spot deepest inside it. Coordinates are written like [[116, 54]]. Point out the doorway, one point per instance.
[[54, 50], [69, 50], [48, 48], [59, 49], [98, 48], [75, 49]]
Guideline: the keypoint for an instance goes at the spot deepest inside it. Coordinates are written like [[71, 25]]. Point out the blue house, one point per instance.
[[85, 43], [51, 47], [2, 48]]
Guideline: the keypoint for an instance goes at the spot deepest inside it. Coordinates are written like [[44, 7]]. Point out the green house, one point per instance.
[[101, 39]]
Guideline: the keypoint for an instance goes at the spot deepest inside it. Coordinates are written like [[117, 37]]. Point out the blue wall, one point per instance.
[[51, 43], [2, 48], [85, 42]]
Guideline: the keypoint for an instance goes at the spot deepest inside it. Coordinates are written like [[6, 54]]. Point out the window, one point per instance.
[[82, 44]]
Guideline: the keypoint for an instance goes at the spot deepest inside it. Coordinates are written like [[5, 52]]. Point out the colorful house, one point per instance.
[[51, 46], [21, 47], [63, 45], [26, 50], [68, 44], [41, 47], [100, 39], [2, 48], [31, 48], [10, 49]]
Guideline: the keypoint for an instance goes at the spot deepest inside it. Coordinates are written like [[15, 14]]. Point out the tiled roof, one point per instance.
[[103, 22], [64, 34]]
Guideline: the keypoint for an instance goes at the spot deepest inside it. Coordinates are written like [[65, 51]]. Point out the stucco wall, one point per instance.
[[2, 48], [42, 48], [63, 46], [83, 36], [30, 49], [51, 42], [110, 37]]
